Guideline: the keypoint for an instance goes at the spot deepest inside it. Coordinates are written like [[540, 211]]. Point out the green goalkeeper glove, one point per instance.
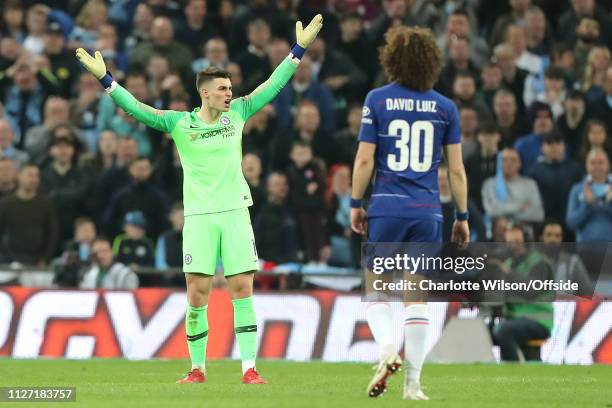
[[305, 36], [94, 65]]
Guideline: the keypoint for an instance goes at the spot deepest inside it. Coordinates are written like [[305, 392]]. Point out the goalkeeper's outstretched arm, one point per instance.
[[267, 91], [162, 120]]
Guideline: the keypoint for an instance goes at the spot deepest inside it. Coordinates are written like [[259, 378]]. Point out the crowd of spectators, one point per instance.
[[532, 80]]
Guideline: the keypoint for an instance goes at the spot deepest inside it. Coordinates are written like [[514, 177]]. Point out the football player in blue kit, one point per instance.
[[406, 128]]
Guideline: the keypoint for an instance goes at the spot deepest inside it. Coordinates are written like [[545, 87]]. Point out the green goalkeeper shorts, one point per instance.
[[227, 235]]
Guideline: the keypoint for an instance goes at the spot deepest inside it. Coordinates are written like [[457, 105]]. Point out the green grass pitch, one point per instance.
[[122, 383]]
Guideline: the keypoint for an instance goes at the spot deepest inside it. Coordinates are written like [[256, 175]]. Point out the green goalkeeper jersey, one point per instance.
[[210, 154]]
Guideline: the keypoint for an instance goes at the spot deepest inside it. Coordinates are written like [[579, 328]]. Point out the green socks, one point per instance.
[[196, 325], [245, 327]]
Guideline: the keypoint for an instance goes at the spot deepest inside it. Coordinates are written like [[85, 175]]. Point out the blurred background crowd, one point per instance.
[[532, 81]]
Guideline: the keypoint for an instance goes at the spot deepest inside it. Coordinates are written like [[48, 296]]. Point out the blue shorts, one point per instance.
[[396, 229], [414, 237]]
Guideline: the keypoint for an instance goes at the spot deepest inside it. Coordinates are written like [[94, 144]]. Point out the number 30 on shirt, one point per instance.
[[410, 147]]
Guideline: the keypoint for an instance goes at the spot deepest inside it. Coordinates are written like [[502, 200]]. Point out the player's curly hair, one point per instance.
[[411, 57]]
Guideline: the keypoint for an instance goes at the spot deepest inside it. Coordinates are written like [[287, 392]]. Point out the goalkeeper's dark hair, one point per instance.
[[211, 73], [411, 57]]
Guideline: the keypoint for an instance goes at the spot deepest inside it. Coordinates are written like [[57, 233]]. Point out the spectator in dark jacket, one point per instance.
[[514, 16], [63, 66], [275, 227], [307, 185], [573, 121], [61, 131], [163, 43], [570, 19], [28, 222], [478, 229], [555, 175], [267, 10], [112, 180], [141, 24], [304, 87], [8, 177], [392, 14], [169, 249], [354, 43], [398, 12], [66, 184], [483, 163], [140, 195], [105, 156], [333, 68], [458, 62], [168, 172], [133, 247], [514, 77], [602, 108], [529, 146], [259, 134], [464, 95], [468, 119], [84, 109], [589, 211], [458, 25], [345, 141], [197, 28], [251, 168], [253, 61], [338, 197], [508, 117], [491, 80], [307, 130]]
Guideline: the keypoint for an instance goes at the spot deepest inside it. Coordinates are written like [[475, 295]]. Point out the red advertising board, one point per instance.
[[326, 325]]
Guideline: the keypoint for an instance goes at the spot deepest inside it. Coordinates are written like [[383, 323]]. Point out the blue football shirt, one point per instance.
[[409, 129]]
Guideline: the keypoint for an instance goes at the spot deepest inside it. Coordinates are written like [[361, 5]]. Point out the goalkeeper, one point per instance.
[[215, 193]]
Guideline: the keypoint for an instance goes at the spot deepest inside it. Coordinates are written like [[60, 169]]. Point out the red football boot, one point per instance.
[[194, 376], [252, 377]]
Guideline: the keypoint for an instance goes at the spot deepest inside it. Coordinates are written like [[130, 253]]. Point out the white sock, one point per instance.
[[416, 326], [202, 367], [378, 315], [246, 365]]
